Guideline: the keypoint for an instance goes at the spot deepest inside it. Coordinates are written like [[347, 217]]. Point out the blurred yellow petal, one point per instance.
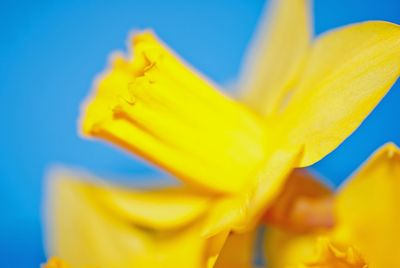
[[304, 203], [55, 263], [83, 230], [160, 208], [332, 255], [288, 249], [214, 247], [242, 212], [277, 55], [157, 107], [290, 237], [368, 209], [269, 183], [348, 72], [238, 251], [313, 250], [226, 214]]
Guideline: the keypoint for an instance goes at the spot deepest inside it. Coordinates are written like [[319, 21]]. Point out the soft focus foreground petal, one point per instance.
[[238, 251], [313, 250], [368, 209], [290, 238], [84, 230], [333, 255], [270, 183], [242, 212], [287, 249], [157, 107], [277, 55], [55, 263], [214, 247], [348, 72], [159, 208], [303, 204]]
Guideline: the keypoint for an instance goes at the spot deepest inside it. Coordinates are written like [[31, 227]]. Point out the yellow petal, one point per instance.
[[303, 204], [157, 107], [333, 255], [214, 247], [286, 249], [55, 263], [242, 212], [277, 55], [313, 250], [83, 230], [269, 183], [368, 209], [159, 208], [290, 239], [238, 251], [226, 214], [348, 72]]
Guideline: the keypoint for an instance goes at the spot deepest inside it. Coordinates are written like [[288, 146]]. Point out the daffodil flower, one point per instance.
[[154, 105], [300, 99], [365, 232]]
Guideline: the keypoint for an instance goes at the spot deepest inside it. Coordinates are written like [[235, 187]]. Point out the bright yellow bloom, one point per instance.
[[367, 219], [155, 106], [302, 98]]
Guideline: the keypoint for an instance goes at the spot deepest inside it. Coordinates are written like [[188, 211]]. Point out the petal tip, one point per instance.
[[142, 36], [392, 150]]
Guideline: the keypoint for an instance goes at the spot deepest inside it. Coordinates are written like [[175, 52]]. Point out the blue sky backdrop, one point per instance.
[[52, 50]]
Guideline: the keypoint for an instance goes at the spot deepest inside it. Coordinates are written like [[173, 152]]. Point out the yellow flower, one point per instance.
[[301, 99], [366, 216], [152, 104]]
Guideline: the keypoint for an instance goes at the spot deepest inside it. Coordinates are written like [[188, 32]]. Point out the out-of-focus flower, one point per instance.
[[95, 223], [301, 99], [366, 219]]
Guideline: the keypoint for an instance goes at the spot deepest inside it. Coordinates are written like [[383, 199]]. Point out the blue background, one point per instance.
[[51, 51]]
